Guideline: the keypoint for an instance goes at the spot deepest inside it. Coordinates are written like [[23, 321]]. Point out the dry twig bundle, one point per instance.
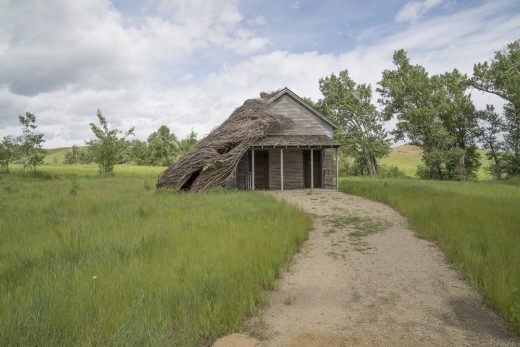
[[211, 162]]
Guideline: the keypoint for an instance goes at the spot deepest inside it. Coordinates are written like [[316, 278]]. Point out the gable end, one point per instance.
[[295, 96]]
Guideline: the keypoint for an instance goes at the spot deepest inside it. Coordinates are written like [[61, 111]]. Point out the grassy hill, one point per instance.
[[408, 157], [57, 155], [405, 157]]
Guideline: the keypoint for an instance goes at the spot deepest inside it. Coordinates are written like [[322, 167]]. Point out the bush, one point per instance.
[[390, 172]]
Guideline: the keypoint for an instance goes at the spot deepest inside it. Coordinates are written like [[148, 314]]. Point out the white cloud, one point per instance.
[[115, 67], [414, 10], [258, 20], [85, 43]]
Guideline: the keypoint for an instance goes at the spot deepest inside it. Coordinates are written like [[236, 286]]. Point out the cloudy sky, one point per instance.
[[188, 63]]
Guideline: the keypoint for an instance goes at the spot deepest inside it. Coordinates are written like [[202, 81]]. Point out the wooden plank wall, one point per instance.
[[292, 165], [292, 169], [305, 122], [327, 158], [242, 171]]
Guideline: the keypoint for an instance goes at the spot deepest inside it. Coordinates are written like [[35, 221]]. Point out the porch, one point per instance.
[[288, 167]]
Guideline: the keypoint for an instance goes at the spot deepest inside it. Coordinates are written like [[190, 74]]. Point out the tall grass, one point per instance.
[[110, 261], [476, 224]]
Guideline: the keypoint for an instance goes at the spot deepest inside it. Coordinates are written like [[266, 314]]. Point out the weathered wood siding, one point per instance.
[[242, 171], [304, 121], [327, 158], [292, 168]]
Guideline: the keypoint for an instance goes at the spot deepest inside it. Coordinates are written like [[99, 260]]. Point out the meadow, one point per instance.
[[407, 157], [475, 224], [88, 260]]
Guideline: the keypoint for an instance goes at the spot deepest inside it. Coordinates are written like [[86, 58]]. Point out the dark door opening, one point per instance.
[[307, 168], [261, 169]]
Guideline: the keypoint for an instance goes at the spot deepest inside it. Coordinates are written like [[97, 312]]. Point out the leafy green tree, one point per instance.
[[512, 140], [459, 118], [29, 145], [72, 156], [360, 131], [188, 142], [435, 113], [76, 156], [139, 152], [502, 77], [489, 129], [108, 146], [7, 153], [163, 146]]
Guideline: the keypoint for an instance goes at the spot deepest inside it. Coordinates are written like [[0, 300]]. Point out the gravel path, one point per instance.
[[364, 279]]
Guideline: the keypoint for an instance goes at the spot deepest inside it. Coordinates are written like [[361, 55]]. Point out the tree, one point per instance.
[[139, 152], [107, 149], [7, 153], [435, 113], [359, 130], [489, 129], [72, 156], [188, 142], [163, 146], [29, 147], [512, 140], [502, 77], [76, 156]]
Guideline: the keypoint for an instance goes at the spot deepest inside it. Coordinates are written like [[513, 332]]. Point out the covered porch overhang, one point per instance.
[[303, 142]]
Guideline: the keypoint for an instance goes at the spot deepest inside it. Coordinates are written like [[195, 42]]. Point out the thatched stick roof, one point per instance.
[[214, 158]]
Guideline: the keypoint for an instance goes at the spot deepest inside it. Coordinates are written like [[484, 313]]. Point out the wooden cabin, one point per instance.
[[300, 155]]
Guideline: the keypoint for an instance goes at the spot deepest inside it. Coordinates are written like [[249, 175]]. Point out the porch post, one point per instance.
[[337, 170], [253, 168], [312, 169], [281, 169]]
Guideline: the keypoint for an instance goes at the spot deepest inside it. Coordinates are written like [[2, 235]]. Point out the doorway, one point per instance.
[[307, 168]]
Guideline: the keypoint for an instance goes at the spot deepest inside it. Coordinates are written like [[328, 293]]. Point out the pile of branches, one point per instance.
[[214, 159]]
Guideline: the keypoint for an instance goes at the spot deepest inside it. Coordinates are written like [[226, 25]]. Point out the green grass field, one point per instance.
[[476, 224], [405, 157], [408, 157], [88, 260]]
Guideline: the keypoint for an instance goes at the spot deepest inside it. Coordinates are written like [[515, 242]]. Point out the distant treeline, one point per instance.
[[26, 149], [434, 112], [110, 147], [161, 148]]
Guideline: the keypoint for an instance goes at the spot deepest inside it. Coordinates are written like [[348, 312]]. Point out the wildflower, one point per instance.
[[94, 277]]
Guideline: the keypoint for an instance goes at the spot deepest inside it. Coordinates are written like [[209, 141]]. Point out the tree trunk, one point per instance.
[[497, 173], [439, 171], [369, 165], [373, 163], [462, 161]]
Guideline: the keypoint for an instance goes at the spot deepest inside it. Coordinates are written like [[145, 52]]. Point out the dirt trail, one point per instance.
[[364, 279]]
